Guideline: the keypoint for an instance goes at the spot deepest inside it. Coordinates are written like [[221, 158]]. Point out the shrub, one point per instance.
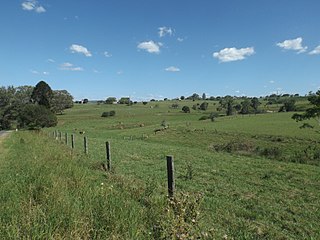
[[34, 116], [105, 114], [144, 103], [186, 109], [213, 116], [203, 106], [108, 114], [271, 152], [203, 118]]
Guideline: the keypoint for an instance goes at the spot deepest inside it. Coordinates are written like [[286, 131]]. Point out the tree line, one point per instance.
[[32, 107]]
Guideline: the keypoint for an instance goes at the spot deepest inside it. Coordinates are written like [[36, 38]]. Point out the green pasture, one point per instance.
[[245, 195]]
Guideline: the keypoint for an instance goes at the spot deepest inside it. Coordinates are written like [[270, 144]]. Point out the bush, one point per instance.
[[203, 118], [203, 106], [34, 116], [108, 114], [213, 116], [271, 152], [186, 109]]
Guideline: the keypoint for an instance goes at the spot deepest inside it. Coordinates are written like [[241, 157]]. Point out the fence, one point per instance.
[[107, 166]]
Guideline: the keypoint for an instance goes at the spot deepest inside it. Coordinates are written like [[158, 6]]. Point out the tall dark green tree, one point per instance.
[[42, 94]]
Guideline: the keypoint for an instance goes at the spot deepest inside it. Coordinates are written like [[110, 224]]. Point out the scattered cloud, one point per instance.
[[172, 69], [51, 60], [80, 49], [95, 71], [293, 44], [163, 31], [315, 51], [179, 39], [37, 72], [33, 5], [34, 72], [120, 72], [107, 54], [70, 67], [150, 46], [271, 81], [233, 54]]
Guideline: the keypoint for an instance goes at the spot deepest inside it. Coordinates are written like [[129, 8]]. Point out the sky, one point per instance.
[[147, 49]]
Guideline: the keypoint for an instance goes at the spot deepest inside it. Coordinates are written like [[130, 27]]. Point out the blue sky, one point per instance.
[[154, 49]]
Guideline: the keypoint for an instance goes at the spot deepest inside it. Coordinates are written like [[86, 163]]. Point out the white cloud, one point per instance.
[[150, 46], [271, 81], [33, 5], [45, 73], [107, 54], [70, 67], [179, 39], [315, 51], [80, 49], [293, 44], [233, 54], [34, 71], [163, 31], [172, 69], [51, 60]]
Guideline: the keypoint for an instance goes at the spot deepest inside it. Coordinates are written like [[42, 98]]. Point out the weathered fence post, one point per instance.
[[72, 141], [66, 138], [108, 155], [60, 136], [170, 173], [56, 134], [85, 142]]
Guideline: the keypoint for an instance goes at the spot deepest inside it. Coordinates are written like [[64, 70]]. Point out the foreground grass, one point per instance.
[[50, 194], [46, 193]]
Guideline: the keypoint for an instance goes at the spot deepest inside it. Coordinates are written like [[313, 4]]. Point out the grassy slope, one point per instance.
[[248, 197], [245, 197]]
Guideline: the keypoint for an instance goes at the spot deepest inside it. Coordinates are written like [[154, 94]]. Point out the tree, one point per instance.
[[204, 106], [245, 107], [182, 97], [312, 112], [288, 105], [204, 97], [124, 100], [227, 103], [186, 109], [42, 94], [111, 100], [85, 101], [34, 116], [255, 104], [61, 100]]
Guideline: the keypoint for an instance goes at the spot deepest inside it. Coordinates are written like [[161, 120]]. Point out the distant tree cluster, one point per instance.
[[32, 107]]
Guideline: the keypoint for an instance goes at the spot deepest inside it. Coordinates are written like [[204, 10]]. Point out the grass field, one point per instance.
[[267, 187]]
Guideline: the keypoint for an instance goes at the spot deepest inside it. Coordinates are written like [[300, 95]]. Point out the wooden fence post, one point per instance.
[[72, 141], [60, 136], [170, 174], [66, 138], [56, 134], [108, 155], [85, 142]]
